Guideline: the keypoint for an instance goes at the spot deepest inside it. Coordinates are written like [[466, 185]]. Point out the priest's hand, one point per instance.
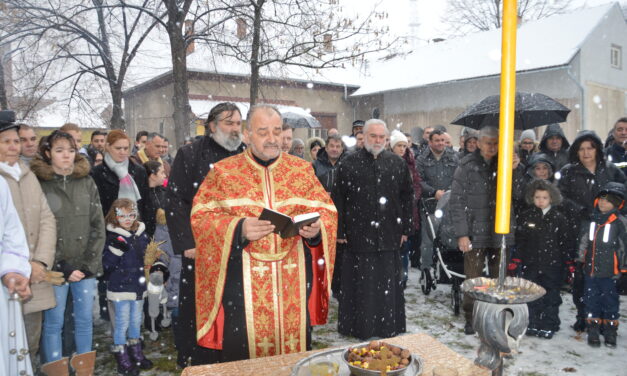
[[255, 229], [16, 282], [309, 232]]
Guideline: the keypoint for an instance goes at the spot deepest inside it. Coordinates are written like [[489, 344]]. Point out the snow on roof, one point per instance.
[[58, 113], [202, 60], [549, 42], [201, 107]]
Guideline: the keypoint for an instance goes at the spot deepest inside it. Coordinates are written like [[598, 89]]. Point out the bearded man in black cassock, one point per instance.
[[192, 163], [373, 194]]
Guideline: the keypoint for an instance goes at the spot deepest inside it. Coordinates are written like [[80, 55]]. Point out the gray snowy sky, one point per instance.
[[429, 13]]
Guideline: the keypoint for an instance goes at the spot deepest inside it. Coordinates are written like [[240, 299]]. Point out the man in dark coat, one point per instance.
[[373, 195], [325, 166], [327, 161], [472, 207], [436, 166], [191, 165], [617, 151], [580, 182], [555, 145]]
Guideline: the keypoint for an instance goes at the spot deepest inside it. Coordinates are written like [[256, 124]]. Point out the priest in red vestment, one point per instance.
[[258, 294]]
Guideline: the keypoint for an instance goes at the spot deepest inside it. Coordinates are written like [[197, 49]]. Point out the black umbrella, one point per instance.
[[295, 120], [532, 110]]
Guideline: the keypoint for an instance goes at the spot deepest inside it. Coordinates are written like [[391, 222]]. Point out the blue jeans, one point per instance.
[[601, 298], [128, 317], [83, 293]]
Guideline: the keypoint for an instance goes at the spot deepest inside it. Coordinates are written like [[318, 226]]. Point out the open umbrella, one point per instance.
[[532, 110], [296, 120]]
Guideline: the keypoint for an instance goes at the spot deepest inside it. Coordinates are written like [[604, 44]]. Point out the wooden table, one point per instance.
[[431, 350]]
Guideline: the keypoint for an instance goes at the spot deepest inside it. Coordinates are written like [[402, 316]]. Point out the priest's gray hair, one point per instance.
[[489, 132], [266, 107], [375, 121]]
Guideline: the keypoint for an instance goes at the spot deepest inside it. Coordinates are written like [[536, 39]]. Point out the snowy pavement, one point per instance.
[[565, 354]]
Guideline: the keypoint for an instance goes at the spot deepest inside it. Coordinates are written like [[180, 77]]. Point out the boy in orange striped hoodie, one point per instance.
[[602, 250]]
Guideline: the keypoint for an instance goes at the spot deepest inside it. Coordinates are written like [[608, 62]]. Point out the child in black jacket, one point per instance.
[[540, 240], [602, 250]]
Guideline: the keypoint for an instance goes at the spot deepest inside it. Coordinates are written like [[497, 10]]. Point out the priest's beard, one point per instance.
[[229, 141], [375, 149]]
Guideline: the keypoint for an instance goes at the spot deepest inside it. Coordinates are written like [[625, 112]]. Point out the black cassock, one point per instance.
[[373, 197], [191, 165]]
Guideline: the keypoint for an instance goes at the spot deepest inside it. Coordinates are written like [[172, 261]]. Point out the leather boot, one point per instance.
[[137, 354], [83, 364], [580, 324], [125, 366], [610, 328], [56, 368], [594, 326]]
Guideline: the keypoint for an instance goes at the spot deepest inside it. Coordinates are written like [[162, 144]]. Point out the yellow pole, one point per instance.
[[506, 120]]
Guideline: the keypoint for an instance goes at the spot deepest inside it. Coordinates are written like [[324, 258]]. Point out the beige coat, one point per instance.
[[41, 231]]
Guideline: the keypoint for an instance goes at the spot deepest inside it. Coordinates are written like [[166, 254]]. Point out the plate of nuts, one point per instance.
[[376, 358]]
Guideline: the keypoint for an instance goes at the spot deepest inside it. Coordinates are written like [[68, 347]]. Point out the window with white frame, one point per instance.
[[616, 57], [316, 132]]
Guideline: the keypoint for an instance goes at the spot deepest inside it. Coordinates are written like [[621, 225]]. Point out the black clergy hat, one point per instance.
[[7, 120], [358, 123]]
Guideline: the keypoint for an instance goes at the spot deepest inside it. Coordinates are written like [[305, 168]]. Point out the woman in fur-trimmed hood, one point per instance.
[[74, 201]]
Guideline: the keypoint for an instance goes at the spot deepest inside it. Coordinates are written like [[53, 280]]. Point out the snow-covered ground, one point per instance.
[[565, 354]]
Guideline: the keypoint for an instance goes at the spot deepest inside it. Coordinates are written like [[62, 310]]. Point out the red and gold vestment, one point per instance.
[[273, 269]]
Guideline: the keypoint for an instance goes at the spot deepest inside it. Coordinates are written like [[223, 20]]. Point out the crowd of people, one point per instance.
[[119, 221]]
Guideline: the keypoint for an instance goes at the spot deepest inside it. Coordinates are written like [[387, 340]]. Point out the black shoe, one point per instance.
[[610, 332], [531, 332], [546, 334], [468, 329], [580, 325], [593, 332]]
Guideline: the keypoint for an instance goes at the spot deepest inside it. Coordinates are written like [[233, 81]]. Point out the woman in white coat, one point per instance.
[[15, 273]]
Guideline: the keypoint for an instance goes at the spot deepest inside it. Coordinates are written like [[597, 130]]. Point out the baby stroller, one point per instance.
[[448, 261]]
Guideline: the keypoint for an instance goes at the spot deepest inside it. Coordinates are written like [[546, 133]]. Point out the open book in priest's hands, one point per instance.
[[285, 225]]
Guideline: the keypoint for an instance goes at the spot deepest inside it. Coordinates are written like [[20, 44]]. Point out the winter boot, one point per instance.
[[580, 324], [468, 329], [125, 366], [83, 364], [137, 354], [593, 326], [610, 327], [56, 368]]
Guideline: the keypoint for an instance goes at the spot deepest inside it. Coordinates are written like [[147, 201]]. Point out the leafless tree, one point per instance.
[[95, 38], [313, 35], [464, 16], [185, 21]]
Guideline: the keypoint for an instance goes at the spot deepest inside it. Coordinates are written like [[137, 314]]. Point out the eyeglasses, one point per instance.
[[527, 142], [131, 215]]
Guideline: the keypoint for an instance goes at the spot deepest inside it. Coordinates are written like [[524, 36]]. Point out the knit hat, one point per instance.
[[397, 137], [528, 133]]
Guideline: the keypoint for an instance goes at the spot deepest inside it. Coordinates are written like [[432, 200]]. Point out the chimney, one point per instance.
[[189, 30], [328, 43], [241, 28]]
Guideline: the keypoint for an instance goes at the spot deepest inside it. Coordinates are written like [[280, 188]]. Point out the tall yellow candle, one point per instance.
[[506, 120]]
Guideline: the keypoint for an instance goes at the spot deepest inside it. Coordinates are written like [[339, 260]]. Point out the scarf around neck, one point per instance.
[[128, 188]]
